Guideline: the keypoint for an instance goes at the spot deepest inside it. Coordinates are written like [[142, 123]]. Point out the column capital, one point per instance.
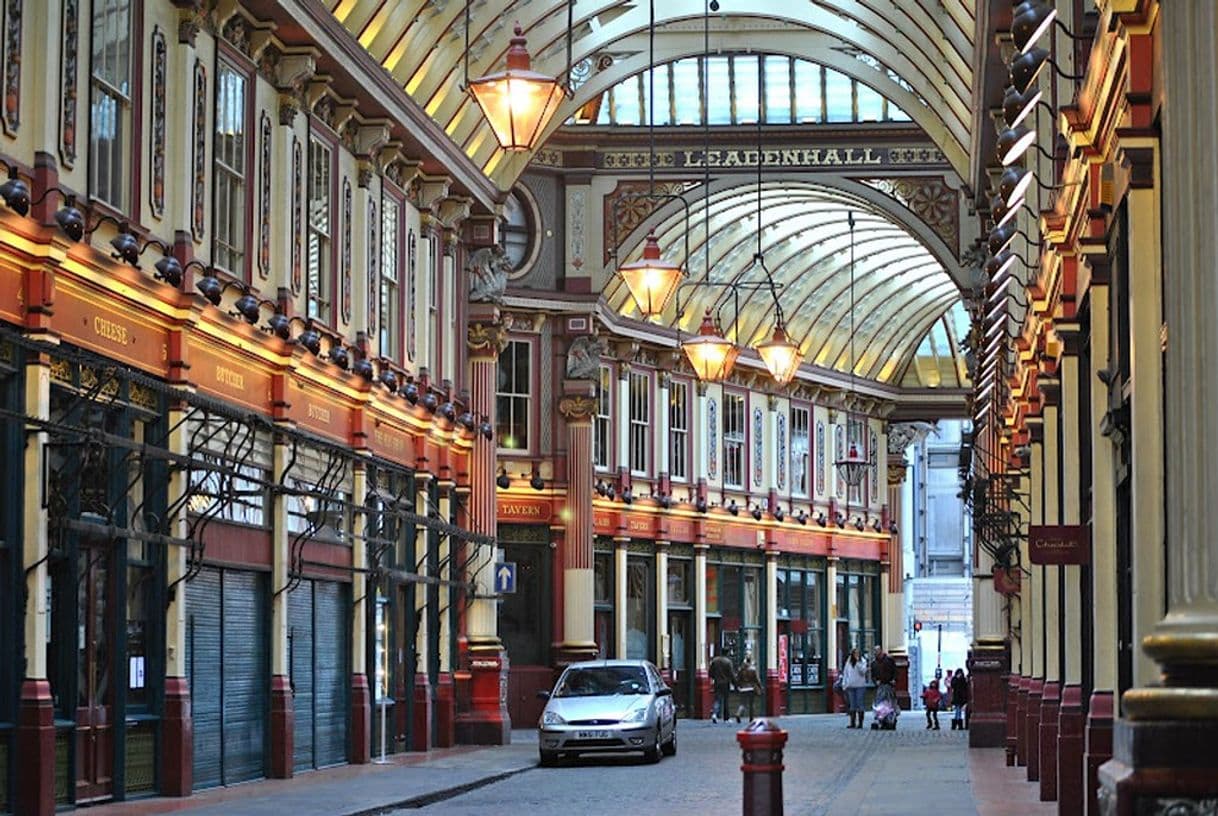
[[486, 340], [577, 408], [896, 472]]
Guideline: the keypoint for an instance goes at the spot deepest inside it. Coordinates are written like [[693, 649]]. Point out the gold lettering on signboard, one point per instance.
[[318, 412], [109, 330], [232, 379]]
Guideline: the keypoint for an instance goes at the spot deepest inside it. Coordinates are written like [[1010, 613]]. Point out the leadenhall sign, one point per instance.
[[1059, 544], [797, 157]]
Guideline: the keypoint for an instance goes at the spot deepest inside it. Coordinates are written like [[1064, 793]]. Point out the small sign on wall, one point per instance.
[[1059, 544]]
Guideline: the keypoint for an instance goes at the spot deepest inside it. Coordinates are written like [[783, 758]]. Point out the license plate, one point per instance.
[[592, 735]]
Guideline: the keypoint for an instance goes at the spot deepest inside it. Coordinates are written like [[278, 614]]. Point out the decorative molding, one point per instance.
[[930, 199], [486, 339], [576, 206], [758, 445], [839, 453], [297, 213], [264, 197], [412, 276], [629, 205], [12, 66], [712, 438], [156, 149], [781, 475], [236, 32], [374, 258], [198, 194], [577, 408], [345, 273], [820, 458], [68, 79], [873, 454]]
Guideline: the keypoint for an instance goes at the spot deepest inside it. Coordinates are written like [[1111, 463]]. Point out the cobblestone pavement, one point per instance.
[[829, 770]]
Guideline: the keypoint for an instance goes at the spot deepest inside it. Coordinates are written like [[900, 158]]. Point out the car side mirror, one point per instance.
[[664, 692], [543, 695]]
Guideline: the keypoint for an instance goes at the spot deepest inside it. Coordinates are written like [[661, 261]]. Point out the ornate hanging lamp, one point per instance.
[[652, 281], [518, 102], [710, 353], [854, 465], [780, 355]]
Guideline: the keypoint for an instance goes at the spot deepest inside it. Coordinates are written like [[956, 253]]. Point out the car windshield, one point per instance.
[[603, 680]]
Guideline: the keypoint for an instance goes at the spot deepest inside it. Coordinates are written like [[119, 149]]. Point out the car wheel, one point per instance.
[[670, 748], [549, 759], [652, 754]]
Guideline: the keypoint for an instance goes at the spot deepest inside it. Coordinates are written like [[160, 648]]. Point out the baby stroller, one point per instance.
[[885, 708]]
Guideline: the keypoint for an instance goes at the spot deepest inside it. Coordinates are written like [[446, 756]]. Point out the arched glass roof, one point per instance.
[[901, 292], [917, 53], [724, 87]]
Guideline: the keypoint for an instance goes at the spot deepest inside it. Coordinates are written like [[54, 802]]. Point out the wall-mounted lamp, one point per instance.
[[503, 480], [756, 512], [875, 525], [431, 402], [411, 392], [486, 428], [821, 519], [700, 505], [628, 496], [733, 508], [802, 518], [778, 514], [535, 481], [840, 520], [858, 523]]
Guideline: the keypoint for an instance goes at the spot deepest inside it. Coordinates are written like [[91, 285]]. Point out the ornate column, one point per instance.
[[1051, 691], [283, 718], [1164, 758], [1101, 709], [1035, 620], [1070, 718], [484, 720], [661, 656], [774, 703], [578, 407], [898, 438], [833, 701], [621, 544], [361, 692], [702, 694], [445, 706], [34, 791], [422, 709], [177, 731]]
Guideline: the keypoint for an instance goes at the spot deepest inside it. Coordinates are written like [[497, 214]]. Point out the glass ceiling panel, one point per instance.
[[794, 90], [900, 289]]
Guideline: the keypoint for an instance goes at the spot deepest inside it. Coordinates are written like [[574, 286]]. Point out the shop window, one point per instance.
[[638, 609], [512, 396], [318, 285], [519, 231], [110, 103], [678, 431], [229, 165], [640, 423], [733, 440], [678, 582], [800, 451], [602, 429], [390, 318]]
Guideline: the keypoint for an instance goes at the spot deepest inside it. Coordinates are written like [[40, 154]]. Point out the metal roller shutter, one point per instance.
[[331, 647], [246, 680], [203, 661], [300, 623], [226, 660]]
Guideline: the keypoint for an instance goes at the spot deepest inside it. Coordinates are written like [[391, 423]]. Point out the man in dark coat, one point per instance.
[[883, 668], [722, 675]]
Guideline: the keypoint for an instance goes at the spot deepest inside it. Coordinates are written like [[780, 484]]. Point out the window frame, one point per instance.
[[736, 442], [639, 427], [530, 349], [229, 58], [329, 279], [603, 422], [132, 171], [392, 347], [807, 411], [674, 431]]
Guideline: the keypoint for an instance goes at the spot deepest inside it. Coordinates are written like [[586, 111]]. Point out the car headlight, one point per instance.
[[552, 718], [638, 715]]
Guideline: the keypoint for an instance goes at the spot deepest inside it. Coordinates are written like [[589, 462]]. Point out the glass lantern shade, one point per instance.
[[652, 280], [854, 467], [781, 356], [518, 102], [710, 353]]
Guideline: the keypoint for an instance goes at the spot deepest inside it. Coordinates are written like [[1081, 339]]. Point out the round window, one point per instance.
[[518, 232]]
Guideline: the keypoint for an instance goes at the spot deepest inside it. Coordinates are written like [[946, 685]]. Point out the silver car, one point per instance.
[[607, 706]]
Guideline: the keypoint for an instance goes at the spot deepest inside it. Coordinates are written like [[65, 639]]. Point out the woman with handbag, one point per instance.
[[747, 683], [853, 681]]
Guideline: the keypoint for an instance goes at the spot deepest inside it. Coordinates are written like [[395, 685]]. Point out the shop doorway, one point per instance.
[[95, 689], [524, 620], [681, 660]]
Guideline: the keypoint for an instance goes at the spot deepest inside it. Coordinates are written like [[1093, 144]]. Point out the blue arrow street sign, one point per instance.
[[505, 577]]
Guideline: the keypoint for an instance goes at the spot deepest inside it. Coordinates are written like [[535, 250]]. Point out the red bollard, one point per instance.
[[761, 742]]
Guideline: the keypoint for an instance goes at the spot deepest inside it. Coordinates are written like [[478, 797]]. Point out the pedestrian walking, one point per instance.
[[854, 682], [960, 694], [722, 676], [931, 697], [747, 683]]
